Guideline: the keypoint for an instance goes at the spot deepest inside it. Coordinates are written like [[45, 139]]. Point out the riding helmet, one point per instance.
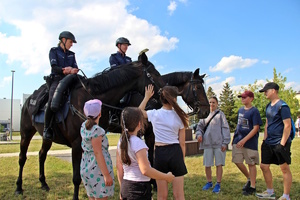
[[68, 35], [122, 40]]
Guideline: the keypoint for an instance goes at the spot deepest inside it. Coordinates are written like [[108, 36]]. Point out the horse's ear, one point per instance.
[[143, 57], [202, 76], [196, 73]]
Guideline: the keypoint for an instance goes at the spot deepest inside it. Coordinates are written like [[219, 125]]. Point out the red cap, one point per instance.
[[247, 93]]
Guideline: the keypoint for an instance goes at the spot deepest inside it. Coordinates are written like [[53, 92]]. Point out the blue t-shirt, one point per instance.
[[117, 59], [61, 59], [247, 119], [275, 117]]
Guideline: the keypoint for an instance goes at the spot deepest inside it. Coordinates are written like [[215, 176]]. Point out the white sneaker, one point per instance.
[[265, 195]]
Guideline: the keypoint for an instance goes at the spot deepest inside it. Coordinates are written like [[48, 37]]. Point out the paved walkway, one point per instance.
[[62, 154]]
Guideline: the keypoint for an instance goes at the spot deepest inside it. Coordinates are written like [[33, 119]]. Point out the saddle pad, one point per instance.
[[39, 117]]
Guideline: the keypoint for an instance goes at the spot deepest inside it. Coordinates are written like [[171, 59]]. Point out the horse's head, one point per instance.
[[193, 94], [151, 76]]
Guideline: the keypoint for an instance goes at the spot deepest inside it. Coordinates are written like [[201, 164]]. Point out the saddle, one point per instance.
[[38, 99]]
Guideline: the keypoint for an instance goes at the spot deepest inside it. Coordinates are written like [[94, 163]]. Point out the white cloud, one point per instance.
[[265, 62], [218, 86], [172, 7], [95, 24], [227, 64], [211, 80], [5, 81], [183, 1]]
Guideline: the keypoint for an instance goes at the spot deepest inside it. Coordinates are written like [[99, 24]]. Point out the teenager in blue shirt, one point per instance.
[[276, 146], [62, 62], [120, 57], [245, 141]]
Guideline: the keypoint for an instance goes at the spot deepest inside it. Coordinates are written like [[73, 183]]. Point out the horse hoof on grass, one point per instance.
[[18, 192], [46, 188]]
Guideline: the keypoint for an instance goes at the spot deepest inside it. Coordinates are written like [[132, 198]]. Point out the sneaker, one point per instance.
[[217, 188], [282, 198], [207, 186], [249, 191], [265, 195], [247, 185]]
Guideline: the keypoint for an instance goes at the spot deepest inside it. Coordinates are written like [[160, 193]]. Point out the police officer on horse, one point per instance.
[[120, 57], [62, 62]]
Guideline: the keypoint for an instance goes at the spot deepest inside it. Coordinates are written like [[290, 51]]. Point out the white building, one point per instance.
[[5, 113]]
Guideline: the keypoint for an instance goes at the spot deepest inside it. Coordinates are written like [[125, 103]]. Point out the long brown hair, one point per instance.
[[130, 118], [90, 122], [167, 96]]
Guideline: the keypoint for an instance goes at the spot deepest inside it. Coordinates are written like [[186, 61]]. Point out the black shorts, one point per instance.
[[133, 190], [169, 158], [276, 154]]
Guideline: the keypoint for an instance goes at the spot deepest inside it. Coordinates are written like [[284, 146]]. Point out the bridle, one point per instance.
[[197, 103]]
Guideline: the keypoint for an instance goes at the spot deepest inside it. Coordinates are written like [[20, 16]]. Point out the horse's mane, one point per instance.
[[177, 78], [112, 77]]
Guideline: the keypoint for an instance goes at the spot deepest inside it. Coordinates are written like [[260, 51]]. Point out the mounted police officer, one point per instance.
[[62, 62], [120, 57]]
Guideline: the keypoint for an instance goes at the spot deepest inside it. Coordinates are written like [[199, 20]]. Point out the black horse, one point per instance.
[[109, 86], [190, 88]]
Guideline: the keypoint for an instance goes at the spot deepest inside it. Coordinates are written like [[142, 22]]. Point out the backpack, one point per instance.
[[293, 128]]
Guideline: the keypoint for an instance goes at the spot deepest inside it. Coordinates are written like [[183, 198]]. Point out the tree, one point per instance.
[[227, 105], [210, 92], [286, 94]]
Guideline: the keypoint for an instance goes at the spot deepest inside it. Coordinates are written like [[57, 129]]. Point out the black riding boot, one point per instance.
[[48, 134]]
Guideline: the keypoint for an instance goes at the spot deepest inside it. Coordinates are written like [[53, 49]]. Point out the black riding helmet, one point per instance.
[[122, 40], [68, 35]]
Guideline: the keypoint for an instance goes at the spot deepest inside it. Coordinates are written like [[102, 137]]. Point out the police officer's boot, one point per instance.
[[48, 134]]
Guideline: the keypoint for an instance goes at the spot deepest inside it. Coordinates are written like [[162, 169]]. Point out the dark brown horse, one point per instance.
[[190, 88], [109, 86]]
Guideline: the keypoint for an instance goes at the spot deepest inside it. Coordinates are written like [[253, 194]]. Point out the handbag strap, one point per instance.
[[210, 120]]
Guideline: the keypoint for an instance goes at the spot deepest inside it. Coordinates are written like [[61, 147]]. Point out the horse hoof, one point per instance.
[[45, 187], [18, 192]]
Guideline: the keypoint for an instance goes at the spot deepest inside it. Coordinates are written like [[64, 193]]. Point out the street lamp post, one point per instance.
[[11, 104]]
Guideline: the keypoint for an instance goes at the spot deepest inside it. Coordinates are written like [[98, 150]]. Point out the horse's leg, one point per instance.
[[25, 140], [42, 157], [76, 159]]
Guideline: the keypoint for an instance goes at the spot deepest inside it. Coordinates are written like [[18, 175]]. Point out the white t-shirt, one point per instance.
[[297, 123], [166, 125], [132, 172]]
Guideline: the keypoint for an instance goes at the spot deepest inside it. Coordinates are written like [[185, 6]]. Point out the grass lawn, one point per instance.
[[59, 178], [35, 145]]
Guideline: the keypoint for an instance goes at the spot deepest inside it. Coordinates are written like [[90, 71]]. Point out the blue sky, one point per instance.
[[234, 41]]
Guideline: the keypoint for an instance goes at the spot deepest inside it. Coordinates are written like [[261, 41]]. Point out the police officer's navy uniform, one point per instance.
[[58, 60], [117, 59]]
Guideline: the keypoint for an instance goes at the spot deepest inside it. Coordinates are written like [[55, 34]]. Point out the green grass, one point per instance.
[[35, 145], [59, 178]]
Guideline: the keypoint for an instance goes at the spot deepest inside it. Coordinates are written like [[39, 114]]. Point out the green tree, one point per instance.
[[227, 105], [210, 92], [286, 94]]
